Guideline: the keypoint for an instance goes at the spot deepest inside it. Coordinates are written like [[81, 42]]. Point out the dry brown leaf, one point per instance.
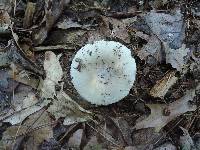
[[5, 21], [68, 23], [118, 28], [176, 57], [53, 10], [169, 28], [35, 129], [4, 60], [186, 141], [29, 13], [93, 144], [166, 146], [24, 104], [54, 74], [124, 128], [52, 67], [64, 106], [159, 119], [152, 48], [26, 78], [139, 147], [163, 85], [75, 140]]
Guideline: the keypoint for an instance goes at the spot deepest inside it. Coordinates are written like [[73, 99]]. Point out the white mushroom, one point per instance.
[[103, 72]]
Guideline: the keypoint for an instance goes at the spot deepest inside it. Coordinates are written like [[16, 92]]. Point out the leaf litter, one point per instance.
[[161, 114], [36, 99]]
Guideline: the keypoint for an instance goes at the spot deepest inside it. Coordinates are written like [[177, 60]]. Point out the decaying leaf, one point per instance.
[[139, 147], [5, 4], [109, 134], [64, 106], [18, 57], [4, 61], [53, 9], [52, 67], [159, 119], [152, 48], [163, 85], [168, 28], [27, 78], [5, 21], [146, 136], [70, 38], [124, 128], [93, 144], [24, 103], [118, 28], [29, 13], [75, 140], [35, 130], [166, 146], [176, 57], [69, 23], [54, 74], [186, 141]]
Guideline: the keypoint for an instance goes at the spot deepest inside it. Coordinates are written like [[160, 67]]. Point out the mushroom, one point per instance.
[[103, 72]]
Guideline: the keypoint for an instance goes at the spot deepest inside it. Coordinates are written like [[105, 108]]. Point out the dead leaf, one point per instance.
[[168, 28], [75, 140], [152, 48], [53, 10], [124, 128], [68, 23], [109, 135], [64, 106], [27, 78], [7, 85], [5, 4], [166, 146], [29, 13], [118, 28], [176, 57], [146, 136], [50, 144], [186, 141], [158, 119], [70, 38], [162, 86], [5, 21], [139, 147], [93, 144], [54, 74], [52, 67], [35, 129], [17, 56], [24, 103], [4, 61]]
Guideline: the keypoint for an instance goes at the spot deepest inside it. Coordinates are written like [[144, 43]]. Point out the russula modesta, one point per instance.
[[103, 72]]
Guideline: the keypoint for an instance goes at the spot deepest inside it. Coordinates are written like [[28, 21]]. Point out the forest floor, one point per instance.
[[41, 109]]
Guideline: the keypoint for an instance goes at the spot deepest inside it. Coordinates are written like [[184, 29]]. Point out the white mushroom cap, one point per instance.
[[103, 72]]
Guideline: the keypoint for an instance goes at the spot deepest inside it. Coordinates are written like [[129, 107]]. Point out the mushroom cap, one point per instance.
[[103, 72]]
